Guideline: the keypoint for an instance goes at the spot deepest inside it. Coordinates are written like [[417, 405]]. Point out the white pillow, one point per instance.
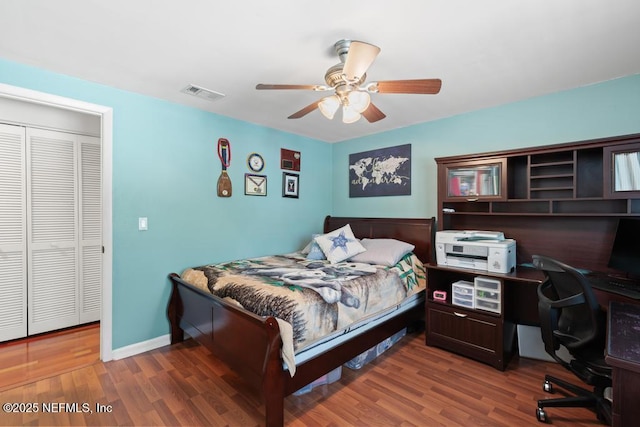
[[340, 244], [386, 252]]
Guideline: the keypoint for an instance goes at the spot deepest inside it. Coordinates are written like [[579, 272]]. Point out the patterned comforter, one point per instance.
[[315, 297]]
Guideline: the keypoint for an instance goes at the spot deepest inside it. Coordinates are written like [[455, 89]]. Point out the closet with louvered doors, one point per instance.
[[50, 230]]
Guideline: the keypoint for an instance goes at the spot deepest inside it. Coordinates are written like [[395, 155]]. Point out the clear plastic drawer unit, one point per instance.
[[462, 294], [487, 294]]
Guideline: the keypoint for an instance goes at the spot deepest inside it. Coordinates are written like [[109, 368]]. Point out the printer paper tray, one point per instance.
[[466, 262]]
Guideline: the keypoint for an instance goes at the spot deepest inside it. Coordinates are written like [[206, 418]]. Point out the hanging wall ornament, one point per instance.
[[224, 182]]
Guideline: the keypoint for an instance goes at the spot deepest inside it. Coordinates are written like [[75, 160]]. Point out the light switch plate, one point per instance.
[[142, 223]]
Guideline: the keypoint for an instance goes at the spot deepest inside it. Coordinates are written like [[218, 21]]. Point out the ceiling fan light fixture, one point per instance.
[[347, 81], [349, 114], [329, 105], [358, 100]]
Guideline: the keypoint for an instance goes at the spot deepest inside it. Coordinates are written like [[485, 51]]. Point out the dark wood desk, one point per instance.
[[481, 335], [487, 336], [522, 296], [623, 355]]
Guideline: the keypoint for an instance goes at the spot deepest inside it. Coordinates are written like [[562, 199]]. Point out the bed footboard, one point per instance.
[[251, 345], [247, 343]]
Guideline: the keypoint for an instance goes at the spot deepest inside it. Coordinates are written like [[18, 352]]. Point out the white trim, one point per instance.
[[28, 95], [141, 347], [106, 343]]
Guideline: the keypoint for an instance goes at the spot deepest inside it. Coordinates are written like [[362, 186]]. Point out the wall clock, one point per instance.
[[255, 162]]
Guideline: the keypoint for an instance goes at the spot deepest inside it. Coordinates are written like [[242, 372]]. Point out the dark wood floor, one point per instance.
[[409, 385]]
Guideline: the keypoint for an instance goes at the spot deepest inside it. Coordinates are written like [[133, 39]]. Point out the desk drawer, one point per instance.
[[464, 328], [469, 333]]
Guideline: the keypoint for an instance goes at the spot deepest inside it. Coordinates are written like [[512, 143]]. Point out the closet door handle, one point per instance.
[[459, 314]]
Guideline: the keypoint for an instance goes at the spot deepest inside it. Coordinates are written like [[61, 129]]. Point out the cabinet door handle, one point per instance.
[[459, 314], [472, 199]]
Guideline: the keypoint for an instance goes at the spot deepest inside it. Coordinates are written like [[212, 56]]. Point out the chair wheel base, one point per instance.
[[541, 415]]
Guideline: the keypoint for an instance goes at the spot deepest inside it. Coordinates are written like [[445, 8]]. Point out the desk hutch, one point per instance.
[[561, 200]]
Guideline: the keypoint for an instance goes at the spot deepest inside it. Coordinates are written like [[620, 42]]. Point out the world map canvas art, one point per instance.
[[382, 172]]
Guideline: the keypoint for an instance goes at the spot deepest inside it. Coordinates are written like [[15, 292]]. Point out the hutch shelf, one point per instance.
[[590, 178]]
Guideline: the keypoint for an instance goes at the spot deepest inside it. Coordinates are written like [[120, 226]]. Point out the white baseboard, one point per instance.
[[141, 347]]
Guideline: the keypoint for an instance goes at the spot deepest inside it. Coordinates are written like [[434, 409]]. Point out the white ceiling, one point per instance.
[[487, 52]]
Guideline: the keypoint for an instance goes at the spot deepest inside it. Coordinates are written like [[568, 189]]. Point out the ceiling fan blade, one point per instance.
[[420, 86], [360, 57], [306, 110], [373, 114], [262, 86]]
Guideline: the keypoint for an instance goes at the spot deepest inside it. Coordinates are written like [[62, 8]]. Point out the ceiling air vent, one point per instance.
[[200, 92]]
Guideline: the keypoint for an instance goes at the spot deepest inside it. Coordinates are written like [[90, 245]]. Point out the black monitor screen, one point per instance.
[[625, 254]]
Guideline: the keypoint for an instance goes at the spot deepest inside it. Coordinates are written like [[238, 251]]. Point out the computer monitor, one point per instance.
[[625, 254]]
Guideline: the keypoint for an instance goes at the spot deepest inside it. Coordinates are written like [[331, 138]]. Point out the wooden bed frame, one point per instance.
[[251, 344]]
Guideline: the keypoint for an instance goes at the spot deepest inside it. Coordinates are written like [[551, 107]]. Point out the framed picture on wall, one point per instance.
[[381, 172], [255, 185], [290, 185]]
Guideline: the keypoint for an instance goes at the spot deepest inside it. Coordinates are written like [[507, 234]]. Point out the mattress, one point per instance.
[[319, 300]]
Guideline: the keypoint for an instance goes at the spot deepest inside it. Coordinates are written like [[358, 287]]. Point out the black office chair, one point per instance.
[[571, 316]]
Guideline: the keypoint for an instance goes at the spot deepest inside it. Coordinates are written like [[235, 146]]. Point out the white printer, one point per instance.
[[480, 250]]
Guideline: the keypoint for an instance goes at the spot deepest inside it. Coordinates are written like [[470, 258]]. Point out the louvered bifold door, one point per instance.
[[52, 229], [90, 285], [13, 234]]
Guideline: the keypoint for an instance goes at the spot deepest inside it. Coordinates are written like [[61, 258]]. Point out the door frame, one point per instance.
[[106, 135]]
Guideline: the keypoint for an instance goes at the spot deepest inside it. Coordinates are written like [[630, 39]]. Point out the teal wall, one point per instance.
[[165, 167], [605, 109]]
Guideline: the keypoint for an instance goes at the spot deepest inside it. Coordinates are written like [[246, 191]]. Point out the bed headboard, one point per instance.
[[417, 231]]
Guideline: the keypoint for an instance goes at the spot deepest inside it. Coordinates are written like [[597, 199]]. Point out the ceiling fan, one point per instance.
[[347, 80]]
